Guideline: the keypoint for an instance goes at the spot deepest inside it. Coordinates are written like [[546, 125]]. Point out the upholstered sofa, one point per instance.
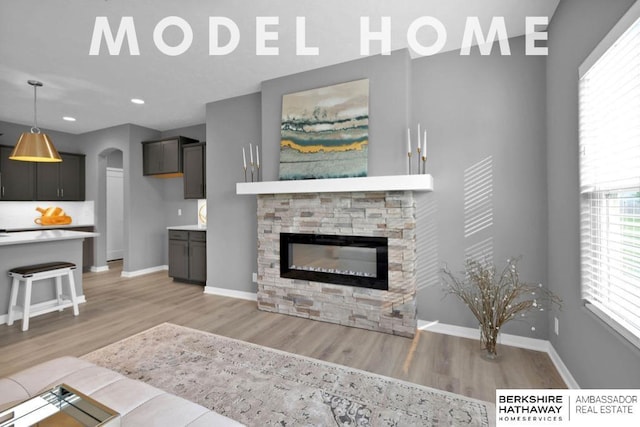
[[139, 404]]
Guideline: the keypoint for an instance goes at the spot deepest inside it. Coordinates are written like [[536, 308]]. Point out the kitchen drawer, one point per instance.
[[198, 236], [178, 235]]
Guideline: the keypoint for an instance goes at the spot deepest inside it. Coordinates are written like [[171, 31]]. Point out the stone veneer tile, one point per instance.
[[385, 214]]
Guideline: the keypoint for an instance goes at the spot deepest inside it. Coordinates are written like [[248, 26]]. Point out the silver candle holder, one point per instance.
[[254, 167], [421, 162]]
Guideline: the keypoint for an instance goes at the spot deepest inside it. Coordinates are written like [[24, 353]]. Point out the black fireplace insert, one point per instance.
[[360, 261]]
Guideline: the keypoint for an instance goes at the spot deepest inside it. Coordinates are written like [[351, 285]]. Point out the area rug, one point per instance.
[[259, 386]]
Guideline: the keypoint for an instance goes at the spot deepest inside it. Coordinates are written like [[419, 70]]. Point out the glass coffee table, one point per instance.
[[62, 406]]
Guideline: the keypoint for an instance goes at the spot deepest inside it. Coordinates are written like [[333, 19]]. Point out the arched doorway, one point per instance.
[[115, 206], [111, 244]]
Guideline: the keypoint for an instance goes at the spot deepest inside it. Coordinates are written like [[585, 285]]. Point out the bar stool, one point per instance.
[[31, 273]]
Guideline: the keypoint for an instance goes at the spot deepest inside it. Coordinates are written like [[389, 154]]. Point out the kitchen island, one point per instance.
[[35, 247]]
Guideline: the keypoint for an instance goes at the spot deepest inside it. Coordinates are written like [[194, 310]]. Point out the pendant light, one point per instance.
[[35, 146]]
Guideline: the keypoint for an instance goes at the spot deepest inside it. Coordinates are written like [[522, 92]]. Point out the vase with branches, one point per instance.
[[495, 297]]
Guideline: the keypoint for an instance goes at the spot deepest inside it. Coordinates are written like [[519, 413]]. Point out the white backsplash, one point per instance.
[[202, 213], [20, 215]]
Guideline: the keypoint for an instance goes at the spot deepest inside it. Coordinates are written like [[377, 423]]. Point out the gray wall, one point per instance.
[[388, 108], [197, 132], [61, 140], [474, 108], [236, 122], [144, 222], [97, 146], [596, 356], [114, 159], [231, 219], [145, 229]]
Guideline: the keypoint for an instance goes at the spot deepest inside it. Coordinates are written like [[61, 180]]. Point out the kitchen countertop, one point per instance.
[[188, 227], [45, 228], [22, 237]]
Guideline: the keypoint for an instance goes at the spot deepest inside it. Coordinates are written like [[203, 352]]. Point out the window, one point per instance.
[[610, 177]]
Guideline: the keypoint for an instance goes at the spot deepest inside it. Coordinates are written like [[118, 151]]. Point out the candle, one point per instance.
[[419, 137], [244, 158], [257, 156], [424, 150], [408, 140], [251, 153]]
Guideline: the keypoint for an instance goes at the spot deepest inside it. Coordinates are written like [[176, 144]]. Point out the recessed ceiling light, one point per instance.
[[69, 119], [137, 100]]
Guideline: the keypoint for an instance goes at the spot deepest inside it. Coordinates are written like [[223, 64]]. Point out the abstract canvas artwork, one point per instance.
[[325, 132]]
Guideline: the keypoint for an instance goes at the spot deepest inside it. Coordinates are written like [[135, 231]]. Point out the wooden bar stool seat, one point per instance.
[[31, 273]]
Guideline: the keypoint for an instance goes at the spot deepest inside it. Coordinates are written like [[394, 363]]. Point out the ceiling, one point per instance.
[[50, 41]]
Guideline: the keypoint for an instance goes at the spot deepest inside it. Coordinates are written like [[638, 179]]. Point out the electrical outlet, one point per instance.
[[254, 277], [556, 326], [179, 212]]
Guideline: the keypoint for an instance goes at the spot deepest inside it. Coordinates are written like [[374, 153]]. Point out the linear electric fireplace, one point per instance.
[[344, 260]]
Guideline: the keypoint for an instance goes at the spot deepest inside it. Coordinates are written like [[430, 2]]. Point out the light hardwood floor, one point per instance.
[[117, 307]]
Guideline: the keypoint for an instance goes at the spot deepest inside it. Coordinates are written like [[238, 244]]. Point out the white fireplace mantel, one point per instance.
[[422, 183]]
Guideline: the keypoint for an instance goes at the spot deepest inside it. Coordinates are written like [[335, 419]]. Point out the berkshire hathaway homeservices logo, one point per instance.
[[582, 408]]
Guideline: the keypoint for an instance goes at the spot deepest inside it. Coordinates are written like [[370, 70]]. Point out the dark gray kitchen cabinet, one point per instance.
[[61, 181], [17, 179], [198, 256], [194, 166], [188, 256], [21, 181], [163, 157], [179, 254]]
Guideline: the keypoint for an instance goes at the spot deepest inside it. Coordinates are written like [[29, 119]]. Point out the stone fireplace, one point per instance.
[[388, 216]]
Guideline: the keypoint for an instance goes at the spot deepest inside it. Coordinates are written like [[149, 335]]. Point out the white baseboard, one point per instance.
[[506, 339], [144, 271], [5, 317], [562, 368], [212, 290], [443, 328], [99, 269]]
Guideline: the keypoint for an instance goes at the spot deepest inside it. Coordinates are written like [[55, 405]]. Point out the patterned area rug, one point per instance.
[[260, 386]]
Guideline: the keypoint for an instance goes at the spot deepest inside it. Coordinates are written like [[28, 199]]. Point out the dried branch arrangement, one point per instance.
[[496, 298]]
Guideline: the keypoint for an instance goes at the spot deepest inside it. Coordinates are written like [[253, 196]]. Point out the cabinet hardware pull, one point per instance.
[[62, 192]]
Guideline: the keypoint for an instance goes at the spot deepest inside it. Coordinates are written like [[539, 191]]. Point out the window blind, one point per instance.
[[610, 180]]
